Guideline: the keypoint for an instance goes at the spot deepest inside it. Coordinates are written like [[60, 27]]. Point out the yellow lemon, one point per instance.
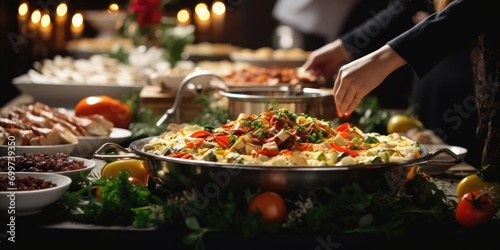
[[136, 167], [402, 123]]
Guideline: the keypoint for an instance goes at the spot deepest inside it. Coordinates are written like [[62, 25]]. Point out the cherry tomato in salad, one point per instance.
[[271, 206], [474, 208], [222, 141]]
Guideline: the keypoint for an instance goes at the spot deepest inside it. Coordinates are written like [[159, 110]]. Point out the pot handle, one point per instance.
[[111, 152], [180, 91], [429, 158]]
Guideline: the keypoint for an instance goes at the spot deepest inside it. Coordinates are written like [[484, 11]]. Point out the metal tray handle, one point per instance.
[[180, 92]]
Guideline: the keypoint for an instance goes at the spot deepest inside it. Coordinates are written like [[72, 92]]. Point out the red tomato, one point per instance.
[[474, 208], [271, 206], [113, 110]]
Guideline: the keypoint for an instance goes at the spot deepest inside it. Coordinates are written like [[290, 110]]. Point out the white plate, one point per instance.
[[68, 95], [44, 149], [439, 169], [33, 201], [87, 145]]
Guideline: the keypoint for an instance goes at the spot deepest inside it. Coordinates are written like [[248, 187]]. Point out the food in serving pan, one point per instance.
[[39, 124], [266, 53], [270, 76], [282, 138]]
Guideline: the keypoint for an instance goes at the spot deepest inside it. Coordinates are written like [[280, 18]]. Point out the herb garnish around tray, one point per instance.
[[348, 210]]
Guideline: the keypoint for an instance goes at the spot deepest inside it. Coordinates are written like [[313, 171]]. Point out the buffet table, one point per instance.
[[49, 228]]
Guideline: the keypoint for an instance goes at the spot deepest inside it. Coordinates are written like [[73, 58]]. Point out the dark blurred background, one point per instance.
[[248, 24]]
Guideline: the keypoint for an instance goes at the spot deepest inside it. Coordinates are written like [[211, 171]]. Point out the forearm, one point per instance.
[[388, 59]]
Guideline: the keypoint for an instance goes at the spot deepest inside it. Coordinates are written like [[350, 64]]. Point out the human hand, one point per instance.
[[327, 60], [358, 78]]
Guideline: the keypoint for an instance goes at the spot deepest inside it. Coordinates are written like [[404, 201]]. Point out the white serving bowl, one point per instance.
[[29, 202], [75, 175], [43, 149], [104, 22]]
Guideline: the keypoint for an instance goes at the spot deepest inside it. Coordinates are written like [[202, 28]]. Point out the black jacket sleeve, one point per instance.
[[383, 26], [445, 32]]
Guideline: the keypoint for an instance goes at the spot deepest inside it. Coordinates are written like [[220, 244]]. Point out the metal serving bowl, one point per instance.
[[208, 177], [257, 100]]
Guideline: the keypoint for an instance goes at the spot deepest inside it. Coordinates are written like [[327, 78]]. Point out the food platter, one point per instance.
[[68, 95], [182, 173], [300, 151], [87, 145], [267, 57]]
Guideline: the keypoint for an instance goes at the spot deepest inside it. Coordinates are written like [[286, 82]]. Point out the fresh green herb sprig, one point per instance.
[[121, 203]]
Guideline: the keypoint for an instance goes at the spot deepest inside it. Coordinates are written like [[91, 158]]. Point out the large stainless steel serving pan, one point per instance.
[[209, 177]]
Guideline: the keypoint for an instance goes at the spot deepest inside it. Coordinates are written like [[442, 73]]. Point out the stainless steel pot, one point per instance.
[[298, 100], [209, 177], [255, 99]]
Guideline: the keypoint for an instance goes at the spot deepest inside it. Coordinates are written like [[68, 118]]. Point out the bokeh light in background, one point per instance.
[[62, 9], [23, 10], [218, 8], [113, 9], [36, 16], [184, 16], [201, 10]]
